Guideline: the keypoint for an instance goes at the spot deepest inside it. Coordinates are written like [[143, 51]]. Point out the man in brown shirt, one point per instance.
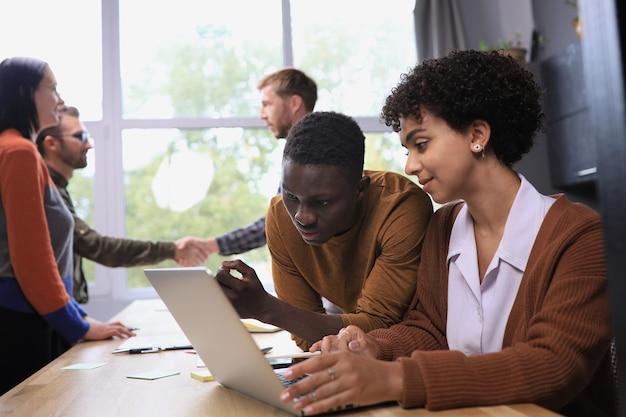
[[336, 232]]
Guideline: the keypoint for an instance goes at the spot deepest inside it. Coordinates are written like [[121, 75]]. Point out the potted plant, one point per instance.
[[513, 48], [576, 23]]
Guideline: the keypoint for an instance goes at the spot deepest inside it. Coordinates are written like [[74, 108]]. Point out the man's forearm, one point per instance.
[[304, 324], [243, 239]]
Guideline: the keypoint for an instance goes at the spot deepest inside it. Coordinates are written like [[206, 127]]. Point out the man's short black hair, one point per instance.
[[327, 138]]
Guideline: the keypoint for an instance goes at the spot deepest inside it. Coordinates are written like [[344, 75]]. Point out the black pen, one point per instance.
[[155, 349], [152, 349]]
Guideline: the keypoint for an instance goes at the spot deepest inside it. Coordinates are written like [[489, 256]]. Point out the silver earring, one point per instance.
[[477, 147]]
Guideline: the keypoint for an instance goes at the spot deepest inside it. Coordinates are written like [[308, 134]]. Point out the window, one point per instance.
[[73, 48], [193, 59], [355, 50], [172, 103], [200, 182]]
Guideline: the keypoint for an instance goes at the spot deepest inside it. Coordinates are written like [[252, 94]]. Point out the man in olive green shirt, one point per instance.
[[64, 148]]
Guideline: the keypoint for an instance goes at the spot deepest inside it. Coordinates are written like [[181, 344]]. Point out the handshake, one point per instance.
[[193, 251]]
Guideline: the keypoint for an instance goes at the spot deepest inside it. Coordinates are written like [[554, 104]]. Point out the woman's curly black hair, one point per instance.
[[468, 85]]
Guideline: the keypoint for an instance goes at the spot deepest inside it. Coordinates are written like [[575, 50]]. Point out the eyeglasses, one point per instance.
[[81, 136]]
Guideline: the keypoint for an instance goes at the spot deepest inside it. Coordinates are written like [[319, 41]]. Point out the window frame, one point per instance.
[[109, 215]]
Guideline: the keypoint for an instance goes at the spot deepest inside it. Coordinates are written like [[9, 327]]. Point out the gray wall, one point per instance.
[[553, 19], [491, 20]]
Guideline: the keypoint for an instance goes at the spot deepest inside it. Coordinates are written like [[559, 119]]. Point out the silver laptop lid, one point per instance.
[[212, 325]]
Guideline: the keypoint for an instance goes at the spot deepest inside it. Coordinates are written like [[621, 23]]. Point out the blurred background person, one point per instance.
[[64, 148], [287, 95], [39, 318]]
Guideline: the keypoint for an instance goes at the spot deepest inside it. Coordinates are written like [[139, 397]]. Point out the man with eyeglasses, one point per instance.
[[64, 148]]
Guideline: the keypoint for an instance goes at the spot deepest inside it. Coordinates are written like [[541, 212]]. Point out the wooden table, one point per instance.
[[106, 390]]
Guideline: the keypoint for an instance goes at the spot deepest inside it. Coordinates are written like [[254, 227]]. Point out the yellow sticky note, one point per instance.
[[256, 326], [203, 375]]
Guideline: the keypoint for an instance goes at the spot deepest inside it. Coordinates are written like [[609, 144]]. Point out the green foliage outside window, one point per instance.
[[217, 79]]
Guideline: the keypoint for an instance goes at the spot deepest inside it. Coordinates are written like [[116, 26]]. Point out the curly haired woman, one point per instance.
[[511, 303]]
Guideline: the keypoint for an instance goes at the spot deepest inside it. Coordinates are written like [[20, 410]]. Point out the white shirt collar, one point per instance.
[[527, 212]]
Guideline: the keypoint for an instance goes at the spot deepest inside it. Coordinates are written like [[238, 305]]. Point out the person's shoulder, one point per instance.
[[276, 200], [391, 186], [392, 181], [567, 218], [59, 180], [17, 149], [276, 209], [442, 220], [11, 139], [447, 212], [568, 221], [377, 175], [564, 209]]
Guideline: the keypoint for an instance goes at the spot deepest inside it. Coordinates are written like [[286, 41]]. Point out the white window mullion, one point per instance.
[[287, 35], [109, 184]]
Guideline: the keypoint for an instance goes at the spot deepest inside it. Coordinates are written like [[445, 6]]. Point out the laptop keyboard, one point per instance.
[[288, 382]]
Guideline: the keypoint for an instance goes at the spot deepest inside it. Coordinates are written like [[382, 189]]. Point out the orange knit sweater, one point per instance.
[[555, 350]]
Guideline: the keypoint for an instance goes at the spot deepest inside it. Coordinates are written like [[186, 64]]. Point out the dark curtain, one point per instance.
[[438, 28]]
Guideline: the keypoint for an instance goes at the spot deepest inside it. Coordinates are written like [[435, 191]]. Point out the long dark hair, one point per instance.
[[19, 77]]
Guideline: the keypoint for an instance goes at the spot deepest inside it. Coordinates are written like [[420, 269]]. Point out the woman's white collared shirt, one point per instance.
[[477, 313]]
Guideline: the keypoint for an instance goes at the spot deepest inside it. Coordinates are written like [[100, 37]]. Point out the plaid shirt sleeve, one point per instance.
[[243, 239]]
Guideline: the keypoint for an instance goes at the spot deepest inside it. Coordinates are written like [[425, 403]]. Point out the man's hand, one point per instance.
[[191, 251], [350, 338], [246, 294]]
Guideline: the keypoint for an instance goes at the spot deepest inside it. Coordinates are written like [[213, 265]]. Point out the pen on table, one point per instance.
[[154, 349], [151, 349]]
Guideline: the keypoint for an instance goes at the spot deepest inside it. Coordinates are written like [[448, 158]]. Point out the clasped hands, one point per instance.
[[191, 251], [347, 372]]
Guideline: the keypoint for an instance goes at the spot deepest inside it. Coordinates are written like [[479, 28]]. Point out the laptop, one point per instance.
[[210, 322]]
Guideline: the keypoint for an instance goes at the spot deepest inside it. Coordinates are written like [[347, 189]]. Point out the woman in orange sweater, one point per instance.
[[39, 319], [511, 303]]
